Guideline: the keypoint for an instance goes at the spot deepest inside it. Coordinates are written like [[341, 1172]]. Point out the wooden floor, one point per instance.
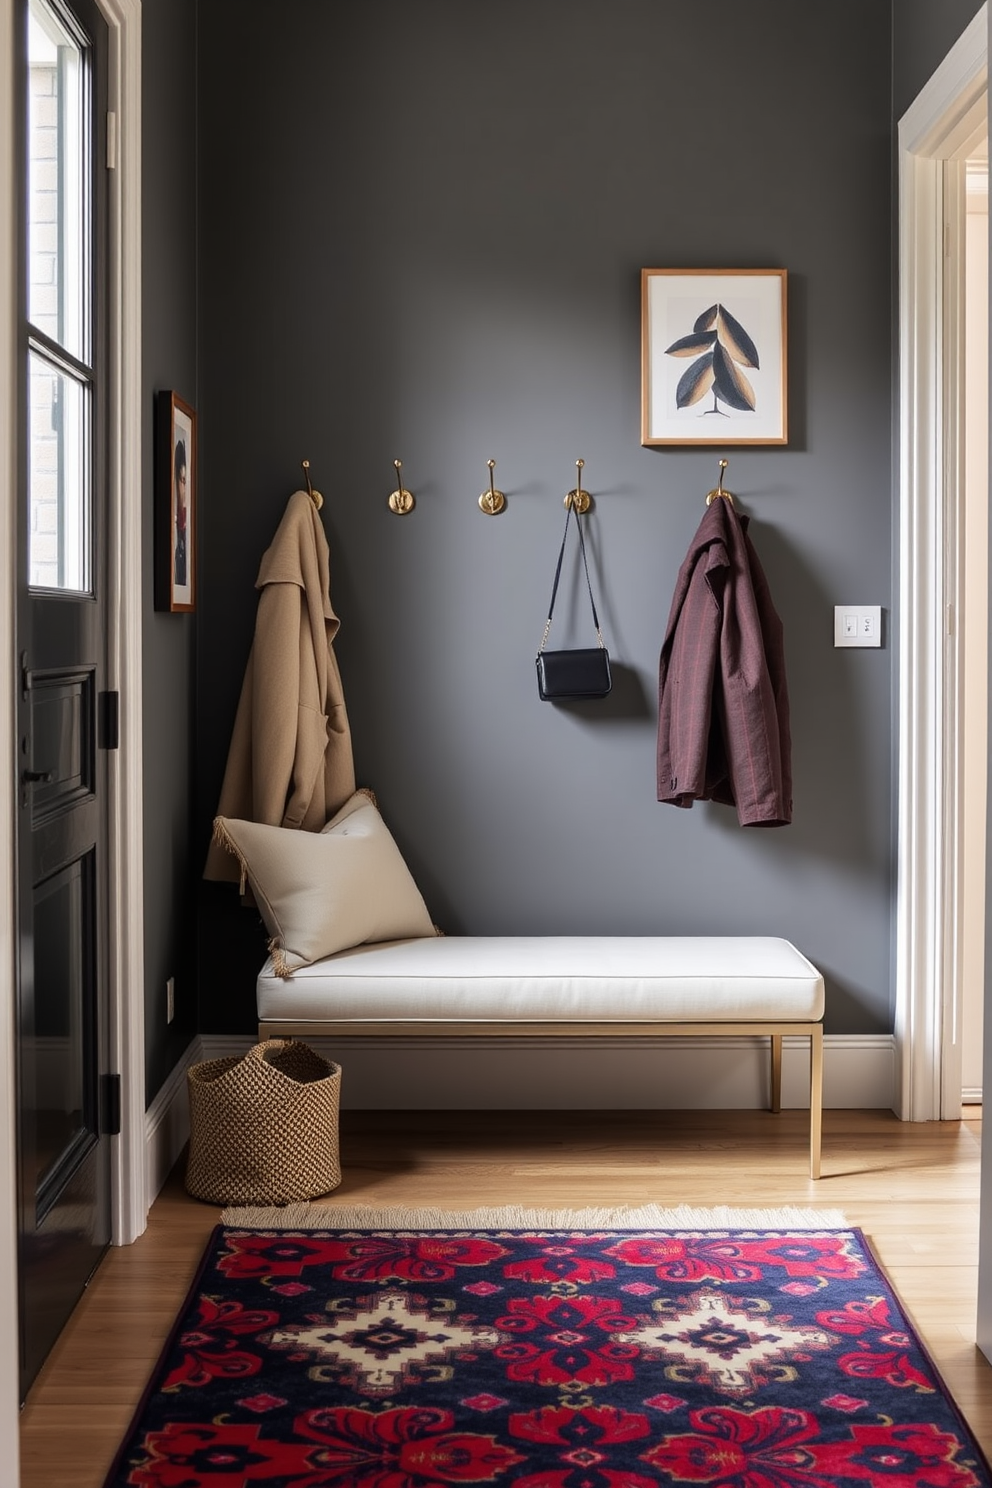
[[912, 1188]]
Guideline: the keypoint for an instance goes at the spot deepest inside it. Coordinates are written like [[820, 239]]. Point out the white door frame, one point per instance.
[[9, 1361], [935, 136], [129, 1186], [126, 960]]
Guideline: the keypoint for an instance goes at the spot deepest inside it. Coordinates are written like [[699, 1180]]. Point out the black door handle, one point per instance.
[[38, 777]]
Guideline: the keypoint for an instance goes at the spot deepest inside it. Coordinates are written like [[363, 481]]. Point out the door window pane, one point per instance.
[[57, 168], [59, 478], [60, 372]]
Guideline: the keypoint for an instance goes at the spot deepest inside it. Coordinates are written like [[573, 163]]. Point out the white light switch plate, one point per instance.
[[857, 625]]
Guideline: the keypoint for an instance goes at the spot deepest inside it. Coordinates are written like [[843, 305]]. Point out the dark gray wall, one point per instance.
[[923, 32], [169, 355], [421, 233]]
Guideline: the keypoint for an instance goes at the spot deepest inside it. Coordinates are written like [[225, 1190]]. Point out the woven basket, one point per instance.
[[264, 1127]]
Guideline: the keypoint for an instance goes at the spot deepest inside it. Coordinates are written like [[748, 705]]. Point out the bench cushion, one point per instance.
[[540, 978]]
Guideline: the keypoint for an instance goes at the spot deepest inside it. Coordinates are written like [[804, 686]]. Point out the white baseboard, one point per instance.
[[465, 1074], [555, 1074], [167, 1123]]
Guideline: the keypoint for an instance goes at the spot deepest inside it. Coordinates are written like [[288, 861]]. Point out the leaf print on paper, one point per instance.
[[729, 383], [687, 346], [695, 382], [735, 338], [725, 348]]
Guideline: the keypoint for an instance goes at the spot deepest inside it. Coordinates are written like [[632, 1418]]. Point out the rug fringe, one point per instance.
[[647, 1217]]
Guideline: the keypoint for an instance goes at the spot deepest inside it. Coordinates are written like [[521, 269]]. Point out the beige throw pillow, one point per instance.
[[321, 892]]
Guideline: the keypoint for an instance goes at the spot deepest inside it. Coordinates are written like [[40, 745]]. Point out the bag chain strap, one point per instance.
[[554, 589]]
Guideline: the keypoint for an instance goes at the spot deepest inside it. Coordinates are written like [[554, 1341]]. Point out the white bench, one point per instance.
[[536, 986]]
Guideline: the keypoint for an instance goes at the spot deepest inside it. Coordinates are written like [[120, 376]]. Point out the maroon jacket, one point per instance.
[[723, 707]]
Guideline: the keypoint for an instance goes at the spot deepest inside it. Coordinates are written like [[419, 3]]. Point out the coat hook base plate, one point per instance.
[[492, 503], [401, 502]]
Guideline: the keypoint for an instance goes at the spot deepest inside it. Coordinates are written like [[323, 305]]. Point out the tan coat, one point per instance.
[[290, 761]]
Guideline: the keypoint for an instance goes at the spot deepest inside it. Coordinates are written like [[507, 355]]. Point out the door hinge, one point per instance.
[[109, 721], [111, 141], [110, 1105]]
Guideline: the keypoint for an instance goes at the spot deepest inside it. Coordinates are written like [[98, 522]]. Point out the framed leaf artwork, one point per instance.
[[713, 356]]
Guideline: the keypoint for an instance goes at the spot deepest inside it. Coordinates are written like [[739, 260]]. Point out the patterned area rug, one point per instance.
[[317, 1352]]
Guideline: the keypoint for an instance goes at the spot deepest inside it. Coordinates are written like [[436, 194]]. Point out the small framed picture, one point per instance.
[[175, 499], [713, 356]]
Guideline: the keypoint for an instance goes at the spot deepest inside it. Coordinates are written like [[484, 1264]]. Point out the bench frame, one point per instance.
[[775, 1031]]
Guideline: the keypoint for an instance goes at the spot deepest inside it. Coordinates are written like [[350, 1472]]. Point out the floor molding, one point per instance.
[[513, 1074], [167, 1122], [601, 1074]]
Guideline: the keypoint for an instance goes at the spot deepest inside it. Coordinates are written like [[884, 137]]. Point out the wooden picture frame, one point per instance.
[[175, 504], [713, 357]]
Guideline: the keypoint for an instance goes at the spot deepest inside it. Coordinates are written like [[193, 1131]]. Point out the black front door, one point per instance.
[[63, 709]]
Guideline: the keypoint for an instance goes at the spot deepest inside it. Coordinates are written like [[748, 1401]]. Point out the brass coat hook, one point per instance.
[[492, 501], [578, 498], [315, 496], [401, 501], [720, 489]]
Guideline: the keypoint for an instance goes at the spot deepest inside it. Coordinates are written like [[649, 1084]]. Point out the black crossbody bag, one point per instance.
[[579, 673]]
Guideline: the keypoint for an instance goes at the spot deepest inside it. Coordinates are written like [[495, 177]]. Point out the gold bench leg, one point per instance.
[[815, 1099], [776, 1071]]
